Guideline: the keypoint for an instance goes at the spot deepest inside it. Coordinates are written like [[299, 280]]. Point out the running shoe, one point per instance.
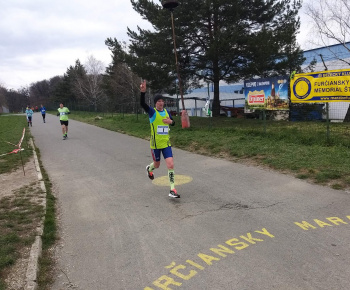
[[149, 173], [64, 137], [173, 193]]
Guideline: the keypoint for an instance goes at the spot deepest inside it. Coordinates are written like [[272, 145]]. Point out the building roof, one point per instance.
[[330, 56]]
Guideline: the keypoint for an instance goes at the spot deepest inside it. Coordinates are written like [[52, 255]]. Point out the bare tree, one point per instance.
[[90, 85], [124, 86], [331, 23]]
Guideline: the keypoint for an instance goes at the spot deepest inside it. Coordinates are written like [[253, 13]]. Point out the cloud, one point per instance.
[[41, 39], [306, 28]]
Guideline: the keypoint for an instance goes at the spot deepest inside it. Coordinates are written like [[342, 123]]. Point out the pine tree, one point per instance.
[[216, 40]]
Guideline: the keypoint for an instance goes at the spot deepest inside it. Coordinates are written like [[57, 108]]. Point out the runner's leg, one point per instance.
[[155, 164], [169, 160], [170, 165], [156, 159]]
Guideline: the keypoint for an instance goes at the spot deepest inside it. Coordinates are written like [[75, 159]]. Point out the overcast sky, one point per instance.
[[40, 39]]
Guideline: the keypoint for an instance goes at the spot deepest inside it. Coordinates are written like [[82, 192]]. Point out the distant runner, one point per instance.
[[29, 113], [160, 119], [43, 112], [63, 113]]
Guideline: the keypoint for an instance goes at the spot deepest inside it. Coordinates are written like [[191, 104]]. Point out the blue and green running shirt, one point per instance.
[[159, 131]]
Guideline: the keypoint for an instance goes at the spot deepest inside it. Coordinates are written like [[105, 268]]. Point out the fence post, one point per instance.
[[264, 120], [327, 113]]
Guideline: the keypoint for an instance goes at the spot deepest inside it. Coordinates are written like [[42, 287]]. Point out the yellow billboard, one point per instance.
[[322, 87]]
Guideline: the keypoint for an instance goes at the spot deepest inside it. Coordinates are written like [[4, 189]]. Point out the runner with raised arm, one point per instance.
[[159, 119]]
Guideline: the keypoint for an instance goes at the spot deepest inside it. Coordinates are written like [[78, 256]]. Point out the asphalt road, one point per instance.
[[234, 227]]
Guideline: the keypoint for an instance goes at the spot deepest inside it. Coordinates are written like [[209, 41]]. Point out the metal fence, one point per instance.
[[327, 122], [336, 112]]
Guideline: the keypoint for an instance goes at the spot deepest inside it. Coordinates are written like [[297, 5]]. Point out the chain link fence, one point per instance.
[[329, 122]]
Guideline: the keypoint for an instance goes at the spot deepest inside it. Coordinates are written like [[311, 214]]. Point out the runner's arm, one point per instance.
[[143, 97], [147, 108], [173, 123], [143, 102]]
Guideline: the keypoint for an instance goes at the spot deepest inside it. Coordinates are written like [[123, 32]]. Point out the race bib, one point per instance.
[[162, 130]]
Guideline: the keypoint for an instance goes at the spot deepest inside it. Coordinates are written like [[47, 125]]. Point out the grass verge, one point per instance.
[[49, 237], [11, 128], [20, 214]]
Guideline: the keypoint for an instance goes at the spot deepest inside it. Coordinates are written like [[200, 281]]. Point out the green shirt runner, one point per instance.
[[63, 113]]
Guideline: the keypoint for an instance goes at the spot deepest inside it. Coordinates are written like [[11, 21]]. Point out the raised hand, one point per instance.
[[143, 86]]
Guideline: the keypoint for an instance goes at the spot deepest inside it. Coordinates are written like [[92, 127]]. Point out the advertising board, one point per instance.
[[267, 93], [323, 87]]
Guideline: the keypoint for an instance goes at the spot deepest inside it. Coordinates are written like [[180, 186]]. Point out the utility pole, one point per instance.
[[170, 5]]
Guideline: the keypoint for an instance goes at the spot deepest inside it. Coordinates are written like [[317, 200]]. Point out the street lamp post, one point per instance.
[[170, 5]]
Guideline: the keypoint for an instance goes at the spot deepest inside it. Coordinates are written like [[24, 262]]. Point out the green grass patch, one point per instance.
[[303, 176], [2, 286], [11, 128], [327, 175], [347, 180], [337, 186]]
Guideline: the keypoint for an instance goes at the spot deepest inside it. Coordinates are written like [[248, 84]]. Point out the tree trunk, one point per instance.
[[216, 100], [347, 116]]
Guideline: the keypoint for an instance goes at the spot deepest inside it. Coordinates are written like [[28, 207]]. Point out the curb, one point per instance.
[[36, 249]]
